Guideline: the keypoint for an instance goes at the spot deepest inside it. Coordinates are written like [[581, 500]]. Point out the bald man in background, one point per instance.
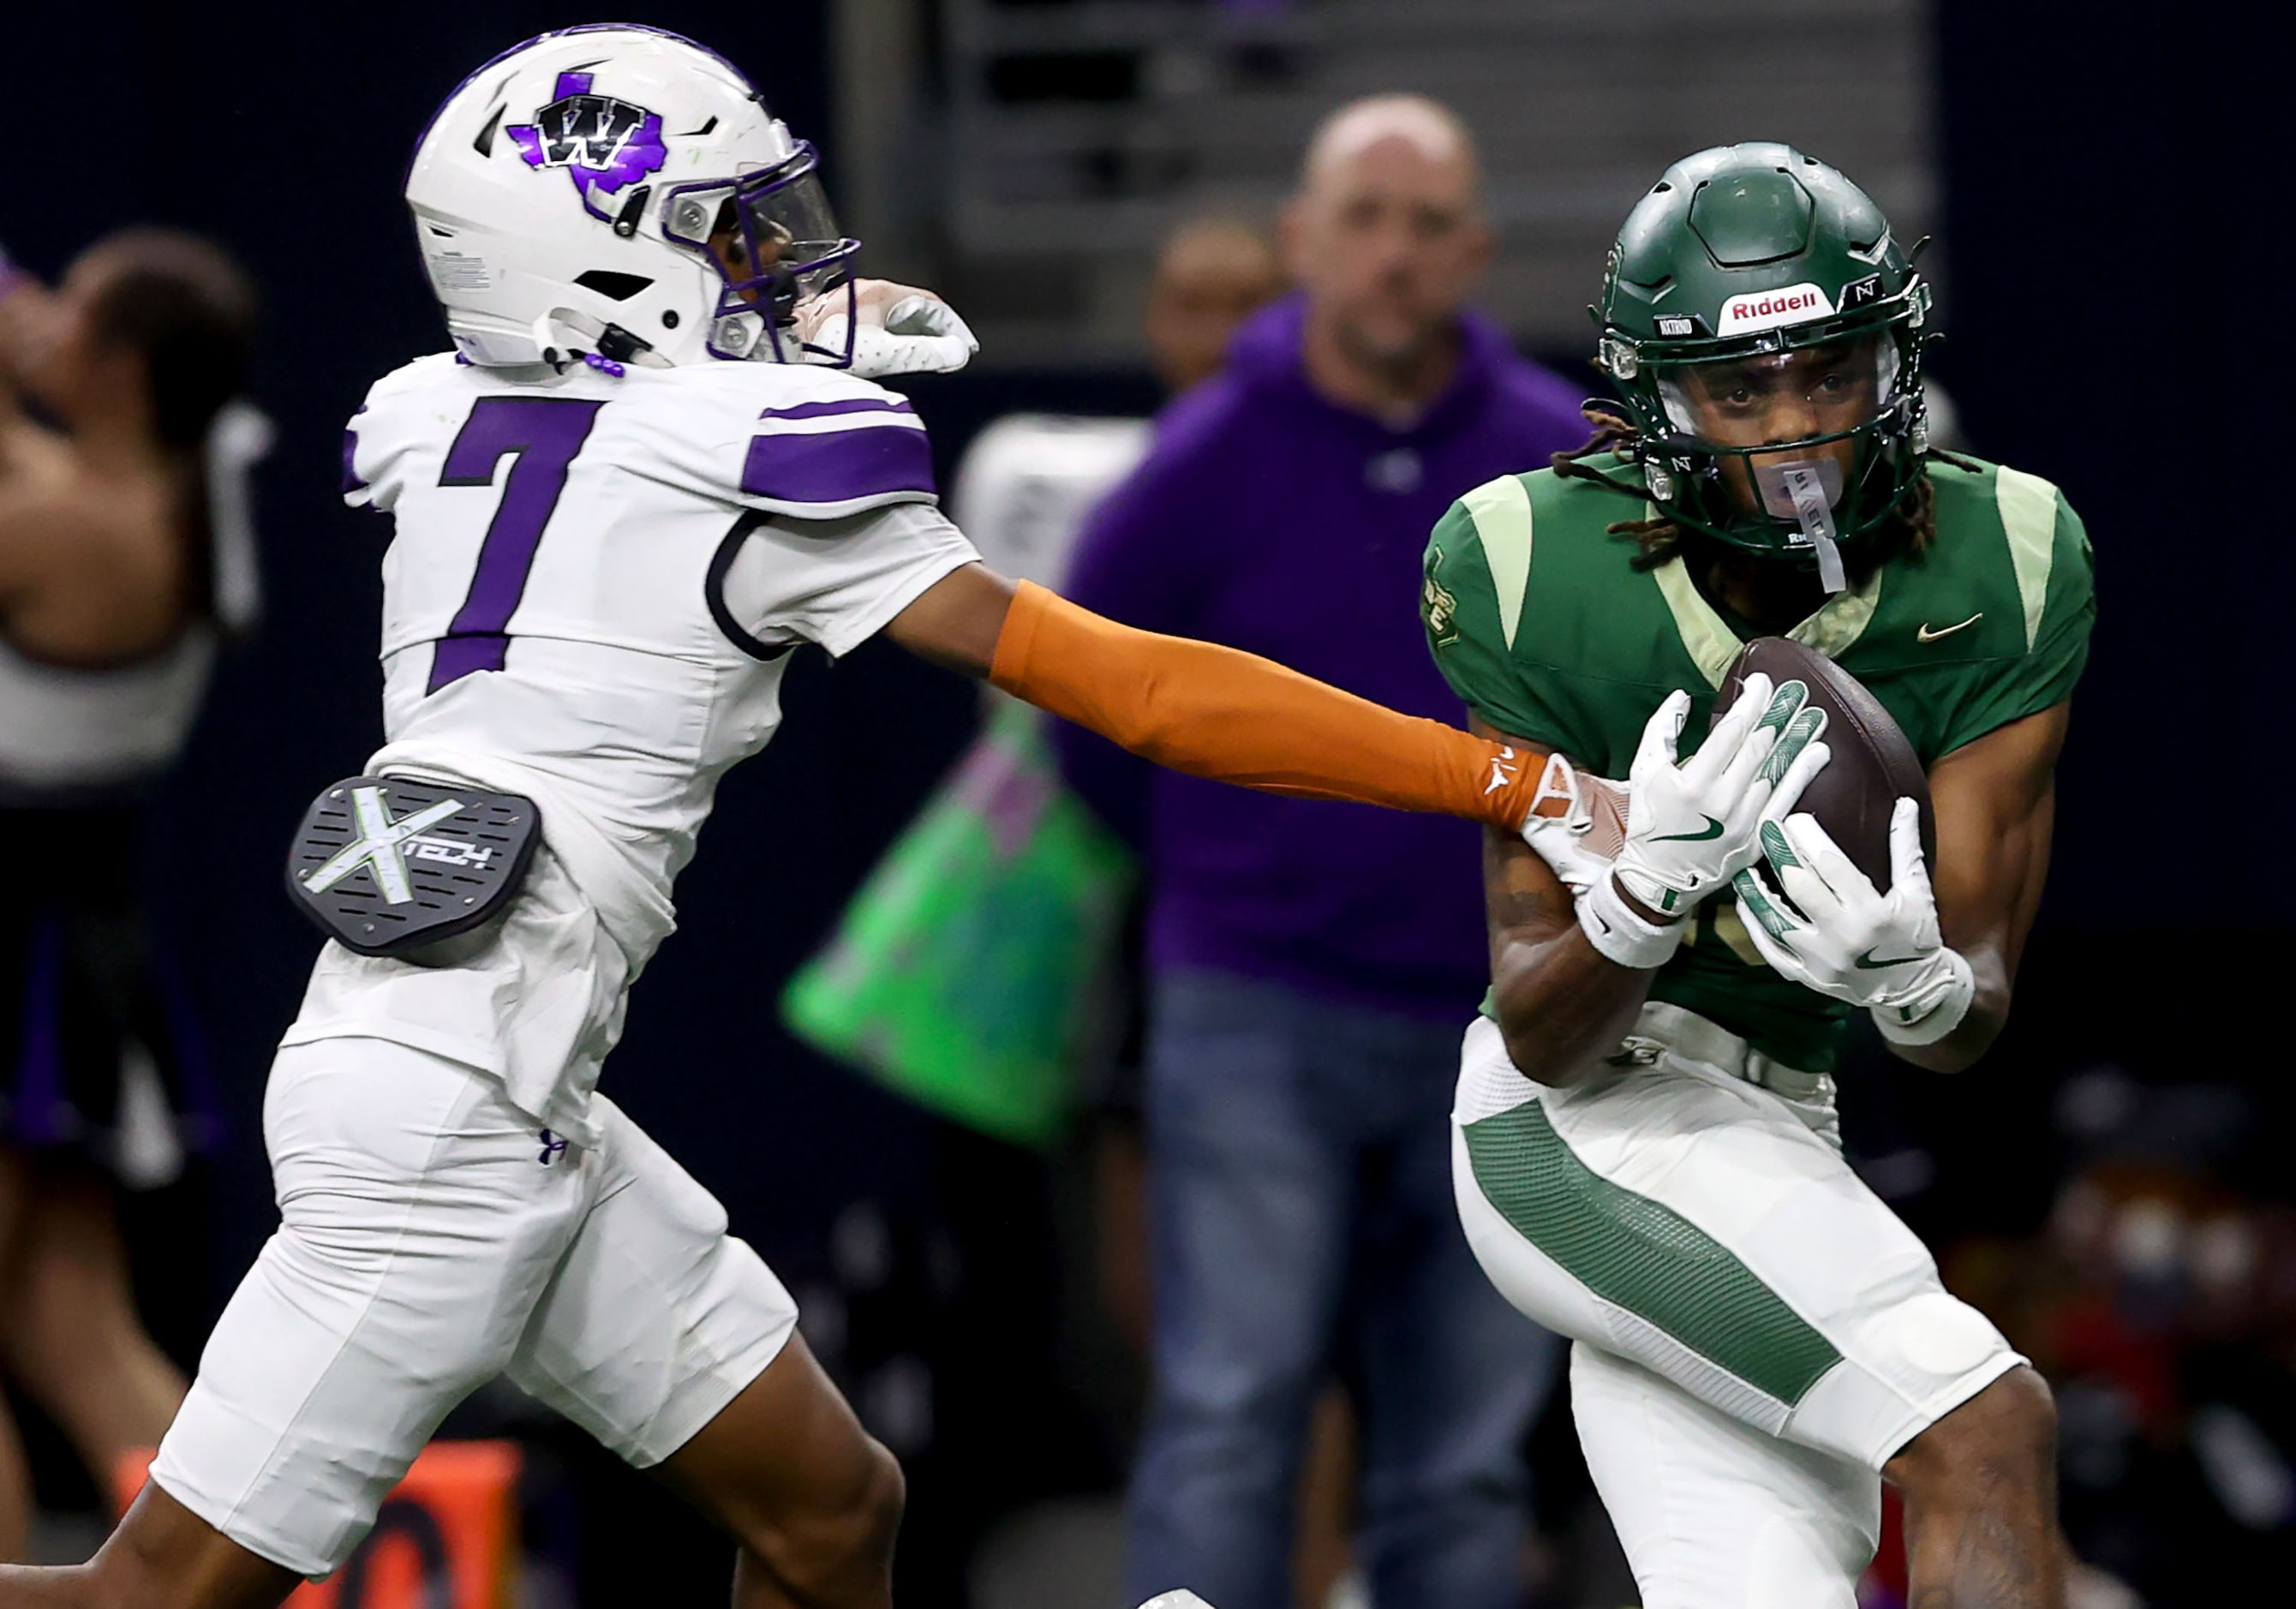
[[1307, 960]]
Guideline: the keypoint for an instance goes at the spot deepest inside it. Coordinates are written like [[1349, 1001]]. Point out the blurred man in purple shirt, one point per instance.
[[1309, 961]]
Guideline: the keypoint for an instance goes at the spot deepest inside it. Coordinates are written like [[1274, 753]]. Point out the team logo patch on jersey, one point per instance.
[[1774, 310], [604, 143], [1439, 610]]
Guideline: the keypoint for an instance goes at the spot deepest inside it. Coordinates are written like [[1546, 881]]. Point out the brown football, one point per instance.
[[1872, 766]]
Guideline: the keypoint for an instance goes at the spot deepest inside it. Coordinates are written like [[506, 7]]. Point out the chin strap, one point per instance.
[[564, 337]]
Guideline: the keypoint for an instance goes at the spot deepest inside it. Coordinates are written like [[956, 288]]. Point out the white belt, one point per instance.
[[1662, 1028]]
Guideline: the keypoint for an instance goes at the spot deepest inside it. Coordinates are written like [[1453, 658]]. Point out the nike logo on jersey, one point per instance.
[[1927, 636], [1501, 776], [1713, 829]]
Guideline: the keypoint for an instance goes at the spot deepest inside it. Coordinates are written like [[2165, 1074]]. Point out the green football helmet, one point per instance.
[[1740, 253]]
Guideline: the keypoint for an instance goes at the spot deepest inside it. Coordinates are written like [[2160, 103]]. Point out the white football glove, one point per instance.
[[1692, 826], [1880, 951], [1578, 823], [902, 332]]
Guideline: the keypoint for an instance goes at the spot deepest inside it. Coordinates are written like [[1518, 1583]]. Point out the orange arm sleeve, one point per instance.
[[1233, 717]]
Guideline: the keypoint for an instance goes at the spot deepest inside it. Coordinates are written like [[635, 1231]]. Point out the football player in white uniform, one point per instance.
[[611, 521]]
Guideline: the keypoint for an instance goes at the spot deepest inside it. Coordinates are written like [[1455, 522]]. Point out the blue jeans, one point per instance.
[[1300, 1169]]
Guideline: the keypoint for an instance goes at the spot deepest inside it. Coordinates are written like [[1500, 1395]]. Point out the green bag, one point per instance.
[[966, 971]]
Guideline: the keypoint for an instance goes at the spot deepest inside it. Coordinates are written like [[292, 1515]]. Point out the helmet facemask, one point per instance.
[[790, 278], [1700, 409], [1752, 255]]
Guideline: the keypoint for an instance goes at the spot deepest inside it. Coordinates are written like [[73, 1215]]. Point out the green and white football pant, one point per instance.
[[1755, 1334]]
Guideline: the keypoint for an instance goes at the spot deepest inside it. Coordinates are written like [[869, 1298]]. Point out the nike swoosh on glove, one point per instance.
[[1884, 952], [919, 335], [1693, 825]]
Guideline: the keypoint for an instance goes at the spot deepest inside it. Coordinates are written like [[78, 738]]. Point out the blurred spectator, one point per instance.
[[1212, 274], [124, 552], [1310, 963], [2161, 1303], [1030, 481]]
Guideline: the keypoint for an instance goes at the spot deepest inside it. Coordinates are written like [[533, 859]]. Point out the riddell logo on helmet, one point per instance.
[[1770, 309]]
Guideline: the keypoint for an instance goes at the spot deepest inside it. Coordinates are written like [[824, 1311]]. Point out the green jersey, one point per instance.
[[1538, 621]]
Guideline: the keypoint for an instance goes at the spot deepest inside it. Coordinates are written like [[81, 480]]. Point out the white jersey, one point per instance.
[[591, 585]]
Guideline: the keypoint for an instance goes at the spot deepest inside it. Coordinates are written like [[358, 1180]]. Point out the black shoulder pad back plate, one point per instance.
[[393, 864]]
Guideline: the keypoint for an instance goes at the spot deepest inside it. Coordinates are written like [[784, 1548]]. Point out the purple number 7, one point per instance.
[[544, 434]]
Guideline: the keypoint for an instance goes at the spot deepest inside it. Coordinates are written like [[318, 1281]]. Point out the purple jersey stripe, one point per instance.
[[830, 410], [840, 467]]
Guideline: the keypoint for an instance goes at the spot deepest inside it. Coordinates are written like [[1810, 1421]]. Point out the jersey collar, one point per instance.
[[1837, 623]]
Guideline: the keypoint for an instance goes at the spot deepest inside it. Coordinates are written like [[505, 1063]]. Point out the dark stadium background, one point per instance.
[[2119, 320]]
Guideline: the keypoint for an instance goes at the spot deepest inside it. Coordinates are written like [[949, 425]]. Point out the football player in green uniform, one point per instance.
[[1647, 1153]]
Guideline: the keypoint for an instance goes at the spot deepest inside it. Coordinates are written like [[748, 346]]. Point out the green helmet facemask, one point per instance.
[[1753, 268]]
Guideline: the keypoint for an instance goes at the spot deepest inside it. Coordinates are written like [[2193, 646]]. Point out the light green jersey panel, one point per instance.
[[1591, 645], [2055, 572], [1468, 631], [1991, 623]]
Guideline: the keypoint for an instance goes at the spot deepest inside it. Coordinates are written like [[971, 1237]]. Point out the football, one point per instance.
[[1872, 766]]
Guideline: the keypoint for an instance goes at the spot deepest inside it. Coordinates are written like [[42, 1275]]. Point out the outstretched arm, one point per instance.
[[1209, 711]]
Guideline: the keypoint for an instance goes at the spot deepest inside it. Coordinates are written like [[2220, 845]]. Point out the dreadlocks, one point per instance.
[[1909, 529]]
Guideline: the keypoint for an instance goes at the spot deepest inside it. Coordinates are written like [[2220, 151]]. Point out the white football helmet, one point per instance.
[[566, 195]]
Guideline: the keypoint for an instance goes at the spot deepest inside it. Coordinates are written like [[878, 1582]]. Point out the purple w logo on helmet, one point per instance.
[[605, 144]]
